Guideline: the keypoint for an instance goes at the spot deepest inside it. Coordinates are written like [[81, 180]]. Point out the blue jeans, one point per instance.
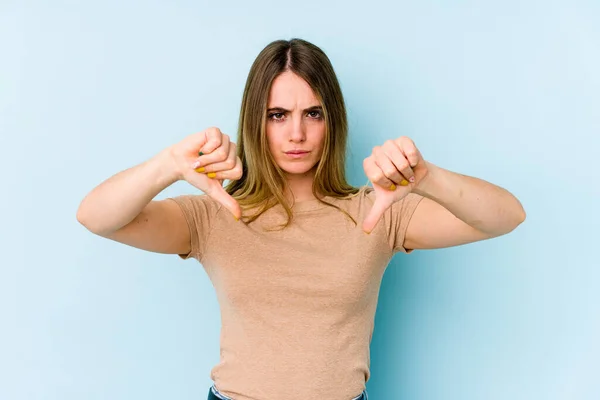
[[214, 394]]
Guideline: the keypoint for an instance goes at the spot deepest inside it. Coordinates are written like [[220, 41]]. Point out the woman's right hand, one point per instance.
[[207, 171]]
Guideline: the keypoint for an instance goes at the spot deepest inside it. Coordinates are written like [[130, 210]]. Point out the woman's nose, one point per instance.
[[297, 133]]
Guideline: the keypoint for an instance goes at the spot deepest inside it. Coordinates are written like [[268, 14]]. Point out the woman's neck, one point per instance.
[[300, 187]]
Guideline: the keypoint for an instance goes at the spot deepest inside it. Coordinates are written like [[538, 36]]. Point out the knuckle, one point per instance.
[[390, 171], [402, 165], [220, 153], [215, 136], [229, 163], [378, 176]]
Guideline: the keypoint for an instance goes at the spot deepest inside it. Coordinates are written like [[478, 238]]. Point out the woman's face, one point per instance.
[[295, 124]]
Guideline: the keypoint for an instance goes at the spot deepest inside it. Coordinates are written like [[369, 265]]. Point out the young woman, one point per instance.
[[295, 253]]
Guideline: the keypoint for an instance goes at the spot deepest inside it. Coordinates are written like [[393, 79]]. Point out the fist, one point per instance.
[[394, 169], [204, 160]]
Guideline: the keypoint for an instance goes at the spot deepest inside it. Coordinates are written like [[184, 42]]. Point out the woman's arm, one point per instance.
[[118, 200], [121, 208], [455, 209], [459, 209]]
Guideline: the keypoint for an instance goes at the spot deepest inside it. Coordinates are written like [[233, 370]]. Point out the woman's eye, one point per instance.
[[280, 116], [276, 116]]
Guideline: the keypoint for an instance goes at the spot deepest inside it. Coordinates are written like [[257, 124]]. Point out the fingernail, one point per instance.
[[236, 218], [195, 164], [201, 169], [404, 182], [393, 187], [200, 153], [412, 179], [367, 232], [211, 175]]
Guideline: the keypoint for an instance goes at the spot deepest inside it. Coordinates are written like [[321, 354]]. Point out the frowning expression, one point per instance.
[[295, 125]]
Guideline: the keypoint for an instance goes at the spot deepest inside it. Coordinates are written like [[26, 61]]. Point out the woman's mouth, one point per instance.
[[296, 153]]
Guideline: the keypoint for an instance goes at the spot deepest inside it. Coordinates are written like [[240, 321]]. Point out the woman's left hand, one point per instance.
[[395, 169]]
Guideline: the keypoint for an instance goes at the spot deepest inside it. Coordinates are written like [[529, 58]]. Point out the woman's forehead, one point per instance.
[[289, 91]]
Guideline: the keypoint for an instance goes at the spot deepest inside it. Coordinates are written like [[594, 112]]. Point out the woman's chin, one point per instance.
[[298, 170]]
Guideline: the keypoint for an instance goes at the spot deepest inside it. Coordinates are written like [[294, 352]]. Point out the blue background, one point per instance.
[[508, 91]]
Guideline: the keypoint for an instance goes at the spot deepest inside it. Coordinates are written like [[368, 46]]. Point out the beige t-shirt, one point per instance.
[[297, 305]]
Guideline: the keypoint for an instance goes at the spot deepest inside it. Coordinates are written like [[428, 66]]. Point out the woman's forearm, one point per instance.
[[483, 205], [119, 199]]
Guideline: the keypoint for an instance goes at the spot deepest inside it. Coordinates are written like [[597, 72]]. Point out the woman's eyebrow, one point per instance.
[[283, 110]]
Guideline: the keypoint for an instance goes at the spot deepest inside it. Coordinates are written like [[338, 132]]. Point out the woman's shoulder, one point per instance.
[[199, 202]]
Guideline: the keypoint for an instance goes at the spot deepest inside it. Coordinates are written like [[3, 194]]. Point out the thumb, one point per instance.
[[220, 195], [373, 217]]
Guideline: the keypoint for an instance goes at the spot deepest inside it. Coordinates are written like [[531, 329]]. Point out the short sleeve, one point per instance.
[[200, 214], [395, 219], [398, 217]]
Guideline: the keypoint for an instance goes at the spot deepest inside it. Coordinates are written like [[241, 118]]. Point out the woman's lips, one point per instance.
[[296, 153]]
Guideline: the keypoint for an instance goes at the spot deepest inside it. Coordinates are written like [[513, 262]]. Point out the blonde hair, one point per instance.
[[263, 182]]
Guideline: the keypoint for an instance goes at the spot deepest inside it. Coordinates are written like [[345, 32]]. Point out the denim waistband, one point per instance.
[[363, 396]]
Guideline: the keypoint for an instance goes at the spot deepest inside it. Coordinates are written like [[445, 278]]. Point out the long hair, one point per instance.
[[263, 182]]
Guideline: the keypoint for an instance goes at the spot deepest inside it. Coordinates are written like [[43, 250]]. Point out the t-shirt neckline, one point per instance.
[[309, 205]]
